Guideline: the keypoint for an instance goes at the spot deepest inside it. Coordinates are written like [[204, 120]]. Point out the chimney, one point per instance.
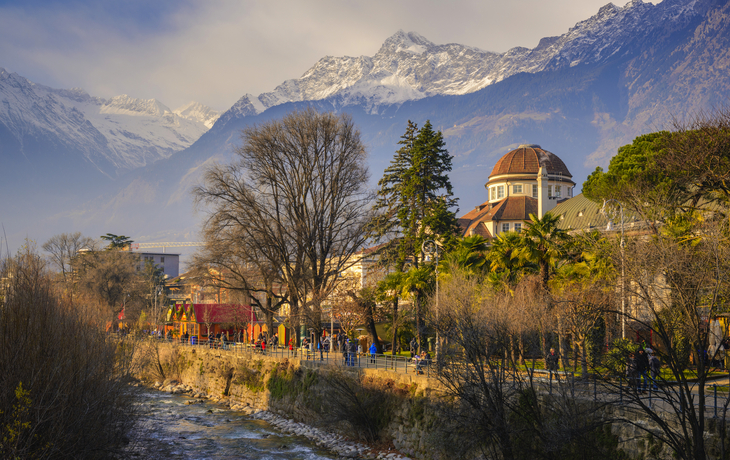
[[543, 205]]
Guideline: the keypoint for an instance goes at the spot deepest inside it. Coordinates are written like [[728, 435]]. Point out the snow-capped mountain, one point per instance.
[[120, 133], [410, 67], [621, 73]]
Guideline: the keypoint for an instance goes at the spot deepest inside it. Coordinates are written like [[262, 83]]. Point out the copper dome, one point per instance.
[[527, 159]]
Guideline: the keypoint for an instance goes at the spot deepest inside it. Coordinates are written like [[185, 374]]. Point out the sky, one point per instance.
[[214, 52]]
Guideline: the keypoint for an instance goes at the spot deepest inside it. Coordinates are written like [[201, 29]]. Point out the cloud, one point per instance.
[[214, 52]]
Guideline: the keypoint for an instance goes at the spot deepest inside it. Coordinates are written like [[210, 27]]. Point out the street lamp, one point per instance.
[[430, 248], [610, 213]]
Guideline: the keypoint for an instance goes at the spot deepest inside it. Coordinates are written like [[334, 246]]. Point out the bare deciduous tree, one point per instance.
[[506, 412], [64, 247], [298, 193]]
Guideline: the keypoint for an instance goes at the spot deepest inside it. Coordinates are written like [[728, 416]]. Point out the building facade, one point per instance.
[[526, 180]]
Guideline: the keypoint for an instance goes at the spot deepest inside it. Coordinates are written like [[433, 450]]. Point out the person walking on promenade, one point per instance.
[[320, 346], [373, 350], [631, 371], [642, 370], [552, 361], [345, 350], [414, 346], [353, 351], [654, 367]]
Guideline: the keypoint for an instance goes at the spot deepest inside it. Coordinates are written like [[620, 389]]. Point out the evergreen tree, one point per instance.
[[414, 204]]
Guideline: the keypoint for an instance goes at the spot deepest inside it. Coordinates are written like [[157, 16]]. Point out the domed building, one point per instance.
[[527, 180]]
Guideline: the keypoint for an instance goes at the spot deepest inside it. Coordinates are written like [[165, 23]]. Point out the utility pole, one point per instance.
[[611, 215], [430, 248]]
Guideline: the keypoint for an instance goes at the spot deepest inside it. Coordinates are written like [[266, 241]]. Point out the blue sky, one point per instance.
[[213, 52]]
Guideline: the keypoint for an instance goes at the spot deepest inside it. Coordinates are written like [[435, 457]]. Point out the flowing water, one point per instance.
[[172, 429]]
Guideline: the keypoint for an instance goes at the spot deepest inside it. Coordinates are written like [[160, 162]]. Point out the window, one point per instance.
[[493, 193], [570, 191], [550, 191], [500, 192], [534, 190], [505, 227], [162, 260], [518, 227], [517, 189], [557, 191]]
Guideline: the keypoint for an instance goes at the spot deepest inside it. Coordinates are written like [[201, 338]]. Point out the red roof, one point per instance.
[[223, 313], [528, 159], [511, 208]]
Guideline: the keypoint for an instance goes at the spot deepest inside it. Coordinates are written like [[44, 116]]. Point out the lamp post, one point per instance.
[[430, 248], [610, 214]]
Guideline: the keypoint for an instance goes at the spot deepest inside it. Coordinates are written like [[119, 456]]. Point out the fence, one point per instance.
[[399, 364]]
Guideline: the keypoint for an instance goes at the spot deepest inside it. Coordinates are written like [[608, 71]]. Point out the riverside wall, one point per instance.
[[241, 381]]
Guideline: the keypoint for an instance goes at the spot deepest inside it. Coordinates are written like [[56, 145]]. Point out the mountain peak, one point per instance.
[[126, 105], [410, 42], [196, 111]]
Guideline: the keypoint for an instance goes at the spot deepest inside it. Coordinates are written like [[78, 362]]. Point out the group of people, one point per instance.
[[642, 369], [264, 342]]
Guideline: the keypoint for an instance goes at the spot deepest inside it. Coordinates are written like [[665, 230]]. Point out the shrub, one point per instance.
[[63, 393]]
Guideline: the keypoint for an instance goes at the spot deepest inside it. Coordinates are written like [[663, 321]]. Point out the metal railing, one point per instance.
[[398, 364], [619, 390]]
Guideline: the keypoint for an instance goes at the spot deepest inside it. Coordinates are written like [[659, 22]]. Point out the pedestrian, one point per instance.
[[373, 351], [353, 351], [320, 345], [345, 351], [642, 370], [417, 361], [414, 346], [552, 361], [631, 371], [263, 347], [654, 367]]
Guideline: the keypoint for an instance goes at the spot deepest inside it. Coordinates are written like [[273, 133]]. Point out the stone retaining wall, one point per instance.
[[241, 381]]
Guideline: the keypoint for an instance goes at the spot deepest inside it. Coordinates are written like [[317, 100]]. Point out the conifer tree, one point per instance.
[[414, 204]]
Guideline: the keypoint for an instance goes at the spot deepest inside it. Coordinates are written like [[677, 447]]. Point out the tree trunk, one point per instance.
[[521, 345], [395, 326], [584, 359], [419, 323]]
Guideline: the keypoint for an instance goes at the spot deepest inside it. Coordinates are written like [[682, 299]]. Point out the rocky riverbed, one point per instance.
[[329, 444]]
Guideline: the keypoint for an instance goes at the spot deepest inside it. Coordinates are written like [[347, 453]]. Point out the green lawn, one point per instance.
[[405, 354]]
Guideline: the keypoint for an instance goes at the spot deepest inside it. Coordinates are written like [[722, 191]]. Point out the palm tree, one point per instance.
[[469, 254], [506, 265], [543, 244], [415, 284]]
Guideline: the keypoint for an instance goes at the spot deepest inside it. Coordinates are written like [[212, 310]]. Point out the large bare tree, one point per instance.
[[297, 192]]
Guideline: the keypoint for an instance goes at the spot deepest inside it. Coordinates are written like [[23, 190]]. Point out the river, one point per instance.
[[169, 428]]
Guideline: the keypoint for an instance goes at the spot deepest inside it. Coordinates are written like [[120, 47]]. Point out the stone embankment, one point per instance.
[[333, 442], [293, 395]]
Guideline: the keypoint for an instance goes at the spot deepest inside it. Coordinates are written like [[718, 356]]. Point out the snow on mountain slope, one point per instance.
[[409, 67], [196, 111], [125, 131]]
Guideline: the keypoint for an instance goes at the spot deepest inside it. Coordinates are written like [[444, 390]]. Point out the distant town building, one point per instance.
[[169, 263]]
